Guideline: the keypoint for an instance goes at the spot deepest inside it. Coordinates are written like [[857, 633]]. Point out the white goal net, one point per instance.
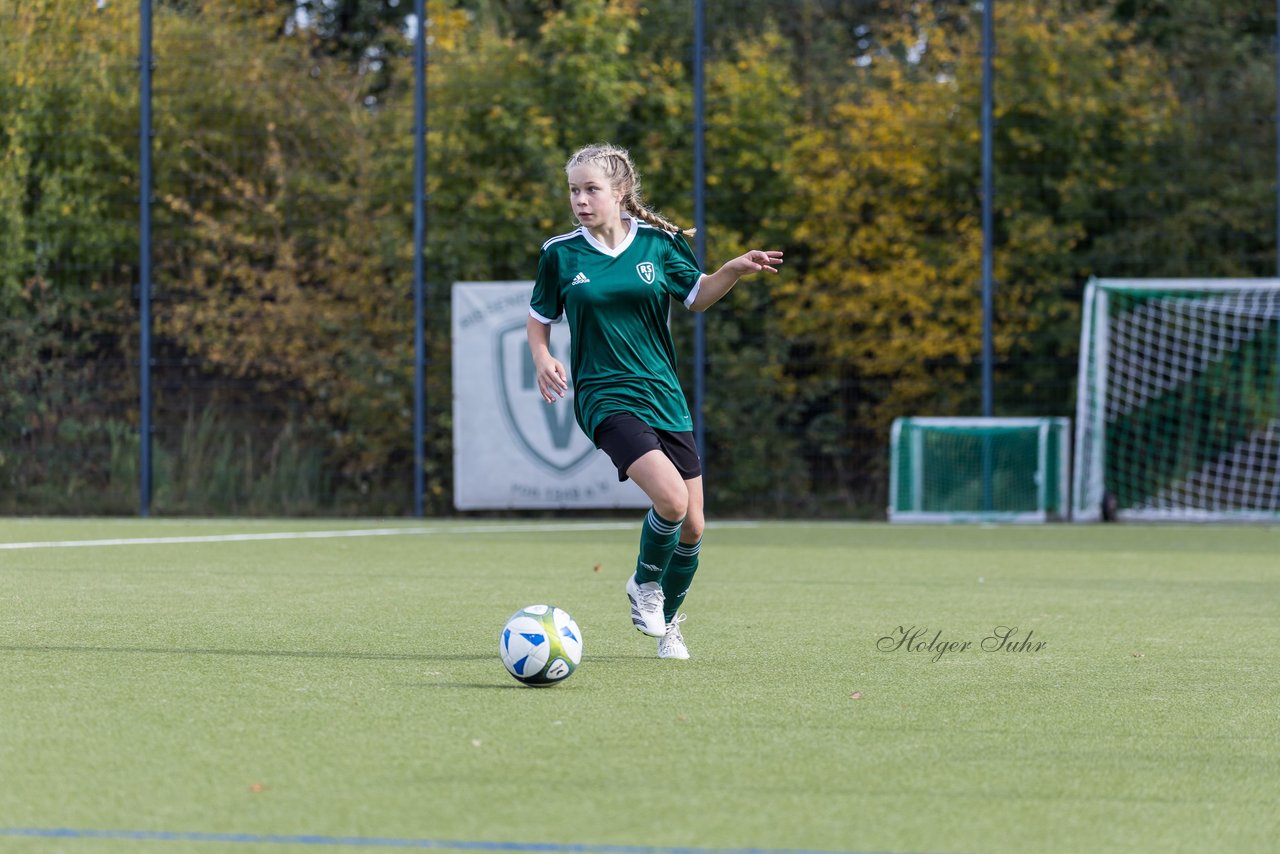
[[1178, 412]]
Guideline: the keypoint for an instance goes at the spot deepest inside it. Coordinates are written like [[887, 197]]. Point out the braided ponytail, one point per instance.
[[616, 165]]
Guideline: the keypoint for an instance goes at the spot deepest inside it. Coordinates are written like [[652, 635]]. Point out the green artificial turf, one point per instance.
[[350, 687]]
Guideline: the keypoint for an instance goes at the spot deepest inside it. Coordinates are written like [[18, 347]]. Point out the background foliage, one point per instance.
[[1134, 137]]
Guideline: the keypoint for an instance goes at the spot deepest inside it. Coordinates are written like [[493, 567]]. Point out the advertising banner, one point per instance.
[[511, 449]]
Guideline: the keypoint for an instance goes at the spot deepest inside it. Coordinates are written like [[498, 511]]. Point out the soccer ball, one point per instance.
[[540, 645]]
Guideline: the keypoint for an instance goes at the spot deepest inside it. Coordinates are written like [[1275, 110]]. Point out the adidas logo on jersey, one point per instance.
[[580, 279]]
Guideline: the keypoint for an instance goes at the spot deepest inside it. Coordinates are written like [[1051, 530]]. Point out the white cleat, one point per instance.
[[671, 644], [646, 607]]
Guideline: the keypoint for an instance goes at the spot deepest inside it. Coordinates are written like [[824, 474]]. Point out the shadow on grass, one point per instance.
[[595, 659], [507, 686], [259, 653]]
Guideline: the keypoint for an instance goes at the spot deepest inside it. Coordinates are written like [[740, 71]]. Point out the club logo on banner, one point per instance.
[[548, 432], [511, 449]]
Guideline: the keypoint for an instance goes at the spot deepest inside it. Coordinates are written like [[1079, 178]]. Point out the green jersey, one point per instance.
[[616, 301]]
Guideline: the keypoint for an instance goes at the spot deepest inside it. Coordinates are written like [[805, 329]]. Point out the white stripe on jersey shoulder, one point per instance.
[[693, 294], [559, 237]]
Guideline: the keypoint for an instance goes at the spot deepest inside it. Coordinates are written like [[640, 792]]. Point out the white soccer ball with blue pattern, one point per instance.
[[540, 645]]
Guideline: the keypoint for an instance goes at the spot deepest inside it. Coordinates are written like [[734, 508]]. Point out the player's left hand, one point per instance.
[[758, 260]]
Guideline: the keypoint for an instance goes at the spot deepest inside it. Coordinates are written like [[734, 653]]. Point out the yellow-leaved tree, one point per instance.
[[888, 205], [283, 301], [68, 237]]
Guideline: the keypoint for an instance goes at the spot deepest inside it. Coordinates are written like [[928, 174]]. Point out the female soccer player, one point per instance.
[[612, 278]]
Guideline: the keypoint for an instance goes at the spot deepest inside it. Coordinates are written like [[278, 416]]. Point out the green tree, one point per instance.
[[753, 450], [1217, 218], [282, 263], [846, 132], [67, 222], [888, 199]]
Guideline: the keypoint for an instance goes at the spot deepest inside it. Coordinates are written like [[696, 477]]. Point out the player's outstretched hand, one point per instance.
[[757, 260]]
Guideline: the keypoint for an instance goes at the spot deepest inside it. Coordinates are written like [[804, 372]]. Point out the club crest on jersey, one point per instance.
[[646, 271]]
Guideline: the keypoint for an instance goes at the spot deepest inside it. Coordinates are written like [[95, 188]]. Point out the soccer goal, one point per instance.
[[979, 469], [1178, 411]]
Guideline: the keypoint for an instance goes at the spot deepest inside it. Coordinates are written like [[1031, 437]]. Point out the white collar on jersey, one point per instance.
[[634, 226]]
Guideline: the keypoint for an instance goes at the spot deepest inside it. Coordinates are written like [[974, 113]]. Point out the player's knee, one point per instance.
[[672, 501], [673, 505], [691, 531]]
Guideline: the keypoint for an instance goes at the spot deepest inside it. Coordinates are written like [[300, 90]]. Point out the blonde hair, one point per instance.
[[621, 173]]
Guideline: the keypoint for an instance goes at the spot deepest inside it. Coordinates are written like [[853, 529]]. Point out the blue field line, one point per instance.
[[383, 842]]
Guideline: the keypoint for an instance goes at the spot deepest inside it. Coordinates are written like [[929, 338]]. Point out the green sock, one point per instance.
[[658, 538], [679, 576]]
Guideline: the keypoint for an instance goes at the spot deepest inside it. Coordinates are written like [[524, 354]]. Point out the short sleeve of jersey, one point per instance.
[[681, 267], [546, 300]]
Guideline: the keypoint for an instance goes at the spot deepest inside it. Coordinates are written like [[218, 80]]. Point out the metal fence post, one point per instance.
[[699, 222], [144, 261], [988, 200], [419, 252]]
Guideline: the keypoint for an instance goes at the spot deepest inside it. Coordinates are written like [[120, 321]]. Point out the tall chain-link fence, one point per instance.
[[1132, 139]]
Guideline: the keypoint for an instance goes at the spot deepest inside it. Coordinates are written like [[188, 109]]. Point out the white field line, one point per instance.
[[470, 530]]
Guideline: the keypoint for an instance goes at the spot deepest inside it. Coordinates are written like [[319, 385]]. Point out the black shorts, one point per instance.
[[625, 438]]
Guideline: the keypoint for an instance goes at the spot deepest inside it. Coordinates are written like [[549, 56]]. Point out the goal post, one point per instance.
[[954, 469], [1178, 403]]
